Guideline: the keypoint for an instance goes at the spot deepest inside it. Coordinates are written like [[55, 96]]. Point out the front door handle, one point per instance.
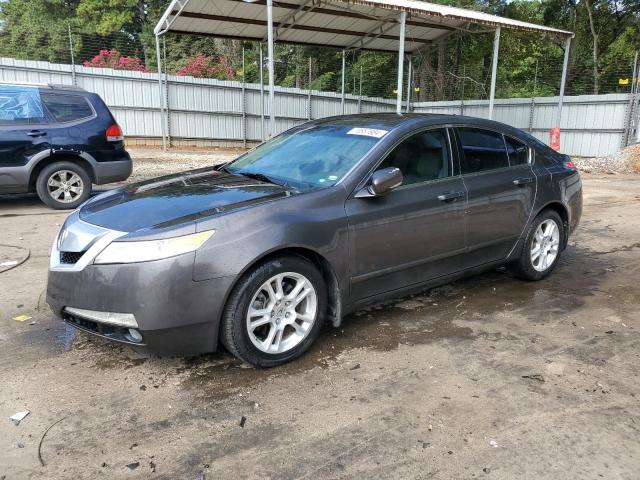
[[36, 133], [522, 181], [447, 197]]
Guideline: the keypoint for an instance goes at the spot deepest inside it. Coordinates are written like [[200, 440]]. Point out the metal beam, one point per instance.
[[494, 71], [409, 84], [344, 64], [403, 19], [161, 96], [261, 95], [304, 28], [372, 34], [270, 49], [563, 80], [290, 20]]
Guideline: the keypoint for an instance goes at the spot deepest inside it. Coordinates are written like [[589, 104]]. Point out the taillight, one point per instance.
[[570, 165], [114, 133]]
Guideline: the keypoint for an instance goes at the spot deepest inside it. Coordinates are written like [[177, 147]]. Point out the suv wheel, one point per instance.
[[63, 185], [275, 312], [542, 247]]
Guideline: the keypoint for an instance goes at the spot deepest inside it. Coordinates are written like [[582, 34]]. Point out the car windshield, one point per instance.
[[315, 157]]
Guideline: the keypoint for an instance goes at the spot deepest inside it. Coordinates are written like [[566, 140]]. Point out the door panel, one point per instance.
[[415, 232], [500, 197], [405, 237]]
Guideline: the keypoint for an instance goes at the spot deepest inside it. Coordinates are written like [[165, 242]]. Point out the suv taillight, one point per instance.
[[114, 133], [570, 164]]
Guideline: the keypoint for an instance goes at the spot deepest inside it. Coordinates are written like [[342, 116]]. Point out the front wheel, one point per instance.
[[542, 247], [275, 312]]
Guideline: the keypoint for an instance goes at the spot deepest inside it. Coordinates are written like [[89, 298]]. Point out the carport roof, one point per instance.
[[347, 24]]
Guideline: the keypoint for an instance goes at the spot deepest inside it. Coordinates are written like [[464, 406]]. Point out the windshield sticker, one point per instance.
[[368, 132]]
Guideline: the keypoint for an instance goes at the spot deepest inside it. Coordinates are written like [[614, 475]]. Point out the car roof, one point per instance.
[[392, 121], [50, 86]]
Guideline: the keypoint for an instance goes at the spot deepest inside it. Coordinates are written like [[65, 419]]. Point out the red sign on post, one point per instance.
[[554, 138]]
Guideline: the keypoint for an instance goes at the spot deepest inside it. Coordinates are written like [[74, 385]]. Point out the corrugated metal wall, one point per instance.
[[592, 125], [217, 110]]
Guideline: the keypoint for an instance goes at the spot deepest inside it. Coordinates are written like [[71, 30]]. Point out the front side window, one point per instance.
[[421, 157], [315, 157], [20, 106], [482, 150], [67, 108], [518, 151]]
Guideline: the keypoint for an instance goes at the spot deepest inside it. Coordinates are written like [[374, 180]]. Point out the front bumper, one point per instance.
[[175, 315]]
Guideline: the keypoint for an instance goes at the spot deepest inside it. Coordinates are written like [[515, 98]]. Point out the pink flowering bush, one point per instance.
[[114, 59], [202, 66]]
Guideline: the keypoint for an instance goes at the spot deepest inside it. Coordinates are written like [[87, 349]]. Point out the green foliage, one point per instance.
[[529, 62]]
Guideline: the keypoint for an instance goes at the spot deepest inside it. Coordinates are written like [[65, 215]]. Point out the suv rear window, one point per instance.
[[67, 108], [20, 106], [483, 150]]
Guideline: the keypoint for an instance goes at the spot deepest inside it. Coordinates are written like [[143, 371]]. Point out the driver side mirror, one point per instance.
[[382, 181]]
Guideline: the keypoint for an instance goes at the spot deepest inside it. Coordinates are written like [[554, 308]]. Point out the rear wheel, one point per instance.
[[63, 185], [542, 247], [275, 312]]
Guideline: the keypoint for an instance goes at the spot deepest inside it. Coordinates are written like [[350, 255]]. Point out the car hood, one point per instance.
[[177, 199]]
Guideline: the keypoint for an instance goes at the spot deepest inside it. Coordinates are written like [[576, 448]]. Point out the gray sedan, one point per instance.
[[327, 217]]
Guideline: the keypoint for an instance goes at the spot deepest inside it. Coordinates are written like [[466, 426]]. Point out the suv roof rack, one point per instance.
[[57, 86]]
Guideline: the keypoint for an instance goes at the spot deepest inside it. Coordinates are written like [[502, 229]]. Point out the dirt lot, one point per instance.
[[489, 377]]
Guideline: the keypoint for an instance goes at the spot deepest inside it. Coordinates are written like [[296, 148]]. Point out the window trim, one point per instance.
[[529, 150], [68, 122], [492, 130], [367, 176]]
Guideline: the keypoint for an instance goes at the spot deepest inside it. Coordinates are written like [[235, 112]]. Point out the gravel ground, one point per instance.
[[624, 161], [486, 378], [149, 163]]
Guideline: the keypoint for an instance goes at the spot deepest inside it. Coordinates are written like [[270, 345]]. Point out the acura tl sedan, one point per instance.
[[331, 215]]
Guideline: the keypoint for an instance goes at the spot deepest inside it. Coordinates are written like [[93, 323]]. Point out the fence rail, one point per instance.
[[232, 112]]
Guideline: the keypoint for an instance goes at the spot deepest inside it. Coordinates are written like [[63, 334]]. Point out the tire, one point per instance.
[[69, 195], [253, 345], [531, 267]]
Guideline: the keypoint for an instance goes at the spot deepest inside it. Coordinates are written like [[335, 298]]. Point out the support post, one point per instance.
[[360, 93], [563, 80], [403, 20], [409, 73], [73, 59], [261, 95], [309, 113], [464, 77], [494, 71], [244, 103], [272, 117], [166, 92], [161, 94], [343, 72]]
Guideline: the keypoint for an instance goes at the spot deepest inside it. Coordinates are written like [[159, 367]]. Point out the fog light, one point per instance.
[[135, 335]]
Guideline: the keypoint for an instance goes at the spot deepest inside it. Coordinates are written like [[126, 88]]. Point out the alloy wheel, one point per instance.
[[545, 245], [282, 312], [65, 186]]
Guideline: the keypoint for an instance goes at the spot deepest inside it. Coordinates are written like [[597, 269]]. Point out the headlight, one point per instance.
[[147, 250]]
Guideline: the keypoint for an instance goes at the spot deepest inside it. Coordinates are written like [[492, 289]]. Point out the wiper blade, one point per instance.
[[259, 176]]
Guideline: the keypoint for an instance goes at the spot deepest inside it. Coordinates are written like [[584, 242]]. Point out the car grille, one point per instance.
[[70, 258]]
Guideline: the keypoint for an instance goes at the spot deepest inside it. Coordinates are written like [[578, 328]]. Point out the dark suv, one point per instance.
[[57, 141]]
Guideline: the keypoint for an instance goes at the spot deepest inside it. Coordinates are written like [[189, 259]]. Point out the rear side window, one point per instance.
[[518, 151], [483, 150], [67, 108], [421, 157], [20, 106]]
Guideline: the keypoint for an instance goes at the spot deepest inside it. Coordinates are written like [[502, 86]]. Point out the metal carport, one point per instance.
[[377, 25]]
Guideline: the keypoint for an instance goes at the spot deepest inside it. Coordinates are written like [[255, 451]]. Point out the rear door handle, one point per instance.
[[36, 133], [447, 197], [522, 181]]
